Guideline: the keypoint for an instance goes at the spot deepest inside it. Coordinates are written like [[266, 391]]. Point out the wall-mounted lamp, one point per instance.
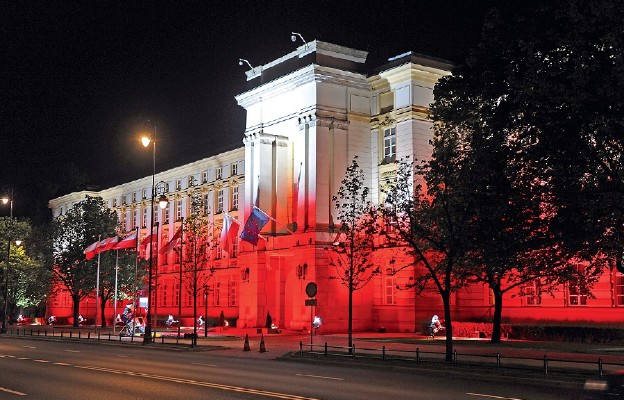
[[302, 271], [293, 37], [245, 274], [242, 61]]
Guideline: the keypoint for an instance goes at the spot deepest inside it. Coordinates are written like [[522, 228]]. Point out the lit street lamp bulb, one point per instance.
[[146, 141], [18, 242], [5, 200]]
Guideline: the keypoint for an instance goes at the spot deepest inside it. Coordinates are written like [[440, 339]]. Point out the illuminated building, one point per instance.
[[308, 114]]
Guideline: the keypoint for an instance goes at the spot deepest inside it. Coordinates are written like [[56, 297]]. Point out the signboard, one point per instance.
[[143, 302], [310, 302], [311, 289]]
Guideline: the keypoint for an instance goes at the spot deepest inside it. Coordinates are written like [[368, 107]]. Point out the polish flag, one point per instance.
[[90, 251], [129, 242], [229, 233], [172, 243]]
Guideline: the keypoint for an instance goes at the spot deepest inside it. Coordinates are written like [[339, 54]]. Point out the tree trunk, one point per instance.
[[103, 309], [448, 326], [76, 300], [498, 312]]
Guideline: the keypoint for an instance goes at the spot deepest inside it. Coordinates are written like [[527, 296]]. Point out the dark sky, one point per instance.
[[79, 78]]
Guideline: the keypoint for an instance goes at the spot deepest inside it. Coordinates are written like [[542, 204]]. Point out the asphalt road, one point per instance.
[[67, 370]]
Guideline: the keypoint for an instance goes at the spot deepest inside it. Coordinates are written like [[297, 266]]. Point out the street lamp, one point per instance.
[[147, 140], [7, 199]]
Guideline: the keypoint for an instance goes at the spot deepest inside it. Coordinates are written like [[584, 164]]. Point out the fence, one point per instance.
[[544, 365], [185, 340]]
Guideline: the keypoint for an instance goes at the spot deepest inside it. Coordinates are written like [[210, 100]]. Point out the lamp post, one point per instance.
[[7, 198], [147, 140]]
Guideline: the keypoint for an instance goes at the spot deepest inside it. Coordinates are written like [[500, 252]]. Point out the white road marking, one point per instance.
[[320, 377], [72, 351], [490, 396], [61, 363], [122, 356], [207, 365], [41, 361], [230, 388], [23, 358], [29, 347], [12, 391]]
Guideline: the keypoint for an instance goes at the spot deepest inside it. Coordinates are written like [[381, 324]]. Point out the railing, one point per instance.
[[543, 364], [64, 332]]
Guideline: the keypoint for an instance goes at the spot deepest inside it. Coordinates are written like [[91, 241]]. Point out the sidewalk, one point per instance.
[[231, 341]]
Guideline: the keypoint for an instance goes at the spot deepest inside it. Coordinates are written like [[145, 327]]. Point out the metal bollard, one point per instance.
[[417, 355], [383, 353], [498, 360], [88, 335], [300, 347], [79, 335], [600, 367], [353, 351], [455, 356], [325, 348], [545, 364]]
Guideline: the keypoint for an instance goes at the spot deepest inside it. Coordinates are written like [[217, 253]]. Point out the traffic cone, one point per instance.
[[246, 346], [262, 348]]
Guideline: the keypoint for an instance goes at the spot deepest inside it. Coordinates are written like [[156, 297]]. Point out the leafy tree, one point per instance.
[[86, 222], [541, 159], [198, 248], [352, 258], [23, 269], [425, 213]]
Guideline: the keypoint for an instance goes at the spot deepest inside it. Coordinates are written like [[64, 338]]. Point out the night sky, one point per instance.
[[79, 78]]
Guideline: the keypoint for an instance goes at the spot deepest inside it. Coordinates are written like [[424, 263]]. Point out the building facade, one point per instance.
[[309, 113]]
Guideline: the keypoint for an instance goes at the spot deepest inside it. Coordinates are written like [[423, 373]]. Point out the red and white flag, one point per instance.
[[229, 233], [145, 242], [129, 242], [90, 251], [110, 243], [172, 243]]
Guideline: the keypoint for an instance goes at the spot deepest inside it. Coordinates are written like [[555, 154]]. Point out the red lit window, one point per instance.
[[619, 289], [389, 287], [577, 290], [532, 293]]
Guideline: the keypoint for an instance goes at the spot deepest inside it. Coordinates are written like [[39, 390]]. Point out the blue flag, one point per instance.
[[256, 221]]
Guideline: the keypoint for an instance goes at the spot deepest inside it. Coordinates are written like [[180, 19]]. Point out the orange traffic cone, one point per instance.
[[262, 348], [246, 346]]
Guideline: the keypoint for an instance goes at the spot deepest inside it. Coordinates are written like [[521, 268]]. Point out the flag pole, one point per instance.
[[116, 272], [273, 219], [180, 288], [97, 287]]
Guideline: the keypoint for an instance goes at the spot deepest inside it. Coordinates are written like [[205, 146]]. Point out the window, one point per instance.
[[234, 248], [234, 169], [619, 289], [134, 197], [389, 154], [191, 181], [114, 202], [217, 294], [219, 252], [204, 176], [577, 290], [155, 216], [220, 173], [389, 287], [220, 201], [134, 219], [123, 200], [206, 203], [144, 193], [235, 198], [178, 210], [532, 293], [166, 210], [176, 300], [144, 221], [232, 301], [178, 184]]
